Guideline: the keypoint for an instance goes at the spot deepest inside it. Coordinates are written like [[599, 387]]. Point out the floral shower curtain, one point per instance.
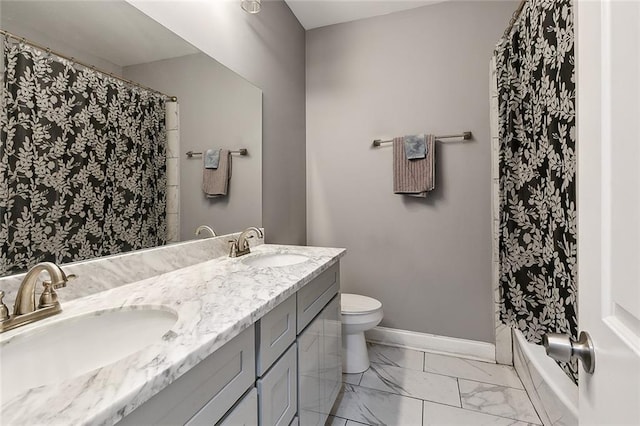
[[82, 162], [537, 242]]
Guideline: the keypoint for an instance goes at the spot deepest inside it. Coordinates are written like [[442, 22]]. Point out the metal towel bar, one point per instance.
[[241, 151], [465, 135]]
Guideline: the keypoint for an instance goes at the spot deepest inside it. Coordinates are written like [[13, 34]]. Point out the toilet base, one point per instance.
[[355, 358]]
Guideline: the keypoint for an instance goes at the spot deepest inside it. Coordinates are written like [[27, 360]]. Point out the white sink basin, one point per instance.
[[274, 260], [71, 347]]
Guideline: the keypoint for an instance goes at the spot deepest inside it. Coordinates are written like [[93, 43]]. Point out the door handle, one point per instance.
[[562, 348]]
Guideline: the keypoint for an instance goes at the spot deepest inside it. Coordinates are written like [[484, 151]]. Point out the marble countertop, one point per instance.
[[214, 300]]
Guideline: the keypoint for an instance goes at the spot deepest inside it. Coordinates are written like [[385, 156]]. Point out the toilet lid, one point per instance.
[[358, 304]]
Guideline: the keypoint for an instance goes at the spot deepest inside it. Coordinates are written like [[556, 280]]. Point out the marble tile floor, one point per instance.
[[406, 387]]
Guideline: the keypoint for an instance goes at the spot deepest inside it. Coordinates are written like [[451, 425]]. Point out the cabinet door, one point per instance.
[[278, 391], [245, 413], [206, 392], [274, 333], [331, 367], [310, 349]]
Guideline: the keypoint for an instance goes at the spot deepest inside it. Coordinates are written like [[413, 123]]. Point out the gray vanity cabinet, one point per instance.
[[310, 392], [331, 367], [276, 365], [278, 391], [205, 393], [284, 370], [313, 297], [245, 413], [275, 332], [319, 349]]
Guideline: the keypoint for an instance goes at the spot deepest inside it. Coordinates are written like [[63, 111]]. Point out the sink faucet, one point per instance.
[[25, 310], [205, 228], [240, 247]]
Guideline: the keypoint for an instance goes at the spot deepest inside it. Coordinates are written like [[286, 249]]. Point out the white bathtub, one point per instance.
[[552, 392]]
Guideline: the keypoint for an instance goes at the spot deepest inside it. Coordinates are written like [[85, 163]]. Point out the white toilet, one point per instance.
[[359, 314]]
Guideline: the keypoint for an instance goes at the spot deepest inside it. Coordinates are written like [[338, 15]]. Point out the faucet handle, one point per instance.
[[233, 249], [48, 296], [63, 283], [4, 311]]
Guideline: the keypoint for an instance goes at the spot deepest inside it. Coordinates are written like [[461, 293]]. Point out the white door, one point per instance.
[[608, 149]]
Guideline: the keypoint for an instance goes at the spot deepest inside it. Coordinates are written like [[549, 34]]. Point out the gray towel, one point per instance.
[[415, 146], [413, 177], [211, 158], [215, 182]]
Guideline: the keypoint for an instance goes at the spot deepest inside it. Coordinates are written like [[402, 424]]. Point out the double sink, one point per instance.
[[62, 348]]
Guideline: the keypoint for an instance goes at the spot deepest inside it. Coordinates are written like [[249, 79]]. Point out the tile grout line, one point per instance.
[[397, 394], [531, 401], [403, 396], [490, 384], [424, 360], [495, 415], [470, 410], [447, 375], [439, 403], [485, 413]]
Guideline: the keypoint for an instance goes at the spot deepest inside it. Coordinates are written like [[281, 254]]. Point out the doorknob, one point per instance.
[[561, 348]]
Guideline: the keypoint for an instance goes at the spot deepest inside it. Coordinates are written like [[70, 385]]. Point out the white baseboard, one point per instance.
[[463, 348]]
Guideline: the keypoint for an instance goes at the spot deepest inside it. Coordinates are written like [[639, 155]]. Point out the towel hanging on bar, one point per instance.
[[215, 182], [413, 177]]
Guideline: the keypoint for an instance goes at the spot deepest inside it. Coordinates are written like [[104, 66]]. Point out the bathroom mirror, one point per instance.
[[216, 108]]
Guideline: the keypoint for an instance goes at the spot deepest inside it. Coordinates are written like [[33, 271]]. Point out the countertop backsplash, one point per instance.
[[104, 273]]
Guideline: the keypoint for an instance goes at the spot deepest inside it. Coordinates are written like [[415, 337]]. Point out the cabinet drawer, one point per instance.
[[245, 413], [232, 373], [274, 333], [209, 389], [278, 391], [315, 295]]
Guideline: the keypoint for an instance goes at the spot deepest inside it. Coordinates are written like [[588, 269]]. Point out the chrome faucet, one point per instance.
[[240, 247], [25, 310], [205, 228]]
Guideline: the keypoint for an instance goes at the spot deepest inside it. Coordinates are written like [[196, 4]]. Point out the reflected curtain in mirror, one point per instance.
[[82, 162]]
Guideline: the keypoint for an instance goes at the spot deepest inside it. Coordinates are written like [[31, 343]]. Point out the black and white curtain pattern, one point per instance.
[[82, 162], [537, 165]]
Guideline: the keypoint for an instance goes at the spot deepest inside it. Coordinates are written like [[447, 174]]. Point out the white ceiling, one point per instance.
[[111, 30], [319, 13]]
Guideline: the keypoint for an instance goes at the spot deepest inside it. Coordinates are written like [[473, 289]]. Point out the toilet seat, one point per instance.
[[356, 304]]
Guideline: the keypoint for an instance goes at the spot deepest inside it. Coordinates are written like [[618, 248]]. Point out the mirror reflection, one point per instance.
[[117, 139]]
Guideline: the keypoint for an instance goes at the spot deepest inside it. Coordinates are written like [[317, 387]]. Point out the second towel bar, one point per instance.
[[241, 151], [465, 135]]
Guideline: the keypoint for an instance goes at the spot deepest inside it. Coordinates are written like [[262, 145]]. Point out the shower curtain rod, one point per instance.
[[514, 18], [92, 67]]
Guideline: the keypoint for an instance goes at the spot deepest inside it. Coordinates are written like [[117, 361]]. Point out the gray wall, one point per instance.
[[56, 45], [268, 50], [218, 109], [422, 70]]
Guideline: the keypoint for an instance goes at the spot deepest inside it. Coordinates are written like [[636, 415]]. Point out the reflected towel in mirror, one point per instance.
[[211, 158], [215, 182]]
